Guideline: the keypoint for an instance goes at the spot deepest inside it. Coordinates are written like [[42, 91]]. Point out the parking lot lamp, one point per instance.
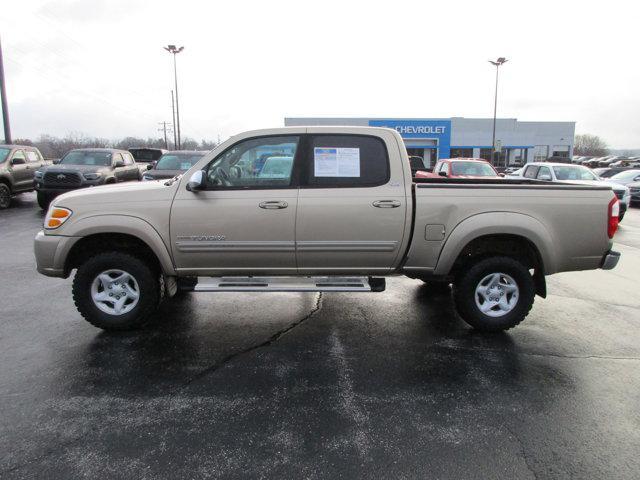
[[176, 50], [497, 63]]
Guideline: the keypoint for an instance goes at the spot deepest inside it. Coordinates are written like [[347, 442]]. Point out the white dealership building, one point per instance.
[[434, 138]]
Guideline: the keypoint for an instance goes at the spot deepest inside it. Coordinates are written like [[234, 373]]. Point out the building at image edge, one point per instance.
[[436, 138]]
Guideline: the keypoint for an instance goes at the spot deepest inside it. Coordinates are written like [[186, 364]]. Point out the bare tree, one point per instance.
[[189, 144], [590, 145], [208, 144], [56, 147]]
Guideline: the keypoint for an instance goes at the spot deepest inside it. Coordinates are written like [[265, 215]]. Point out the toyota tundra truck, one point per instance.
[[321, 209]]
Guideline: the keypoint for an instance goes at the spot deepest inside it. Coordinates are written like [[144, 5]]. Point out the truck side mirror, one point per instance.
[[118, 164], [56, 161], [442, 173], [196, 182], [18, 161], [149, 166]]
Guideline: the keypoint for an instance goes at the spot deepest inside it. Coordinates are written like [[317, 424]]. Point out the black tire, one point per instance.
[[150, 290], [44, 200], [464, 293], [5, 196]]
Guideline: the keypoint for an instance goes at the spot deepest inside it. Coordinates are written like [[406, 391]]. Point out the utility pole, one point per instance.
[[497, 63], [164, 129], [173, 113], [5, 108], [176, 50]]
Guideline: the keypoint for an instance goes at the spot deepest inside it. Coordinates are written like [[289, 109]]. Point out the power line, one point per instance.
[[164, 129]]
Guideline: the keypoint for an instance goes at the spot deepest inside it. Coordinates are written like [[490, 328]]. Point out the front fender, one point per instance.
[[497, 223], [128, 225]]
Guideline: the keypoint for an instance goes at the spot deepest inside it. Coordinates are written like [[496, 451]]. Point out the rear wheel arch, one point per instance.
[[501, 233]]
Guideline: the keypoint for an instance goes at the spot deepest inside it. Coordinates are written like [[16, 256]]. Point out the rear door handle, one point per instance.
[[273, 205], [386, 203]]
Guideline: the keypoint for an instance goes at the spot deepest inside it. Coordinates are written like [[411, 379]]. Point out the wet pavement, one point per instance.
[[386, 385]]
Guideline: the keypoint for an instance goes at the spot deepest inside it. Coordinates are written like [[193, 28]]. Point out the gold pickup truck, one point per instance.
[[321, 209]]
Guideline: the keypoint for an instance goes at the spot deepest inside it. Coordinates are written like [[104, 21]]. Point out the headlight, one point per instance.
[[147, 177], [38, 175], [91, 176], [56, 216]]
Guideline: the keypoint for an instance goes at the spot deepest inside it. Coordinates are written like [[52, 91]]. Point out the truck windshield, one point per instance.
[[474, 169], [102, 159], [574, 173], [172, 161], [3, 153]]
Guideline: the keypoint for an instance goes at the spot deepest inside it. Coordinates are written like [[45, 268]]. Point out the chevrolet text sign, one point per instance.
[[431, 129]]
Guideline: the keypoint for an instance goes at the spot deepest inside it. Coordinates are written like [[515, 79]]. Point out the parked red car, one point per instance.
[[461, 168]]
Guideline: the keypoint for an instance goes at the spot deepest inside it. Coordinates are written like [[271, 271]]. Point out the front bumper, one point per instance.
[[610, 260], [51, 252]]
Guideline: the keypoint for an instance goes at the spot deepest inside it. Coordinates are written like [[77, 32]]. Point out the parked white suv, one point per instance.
[[566, 173]]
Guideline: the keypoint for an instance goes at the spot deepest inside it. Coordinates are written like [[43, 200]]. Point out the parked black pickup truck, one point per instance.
[[86, 167], [18, 164]]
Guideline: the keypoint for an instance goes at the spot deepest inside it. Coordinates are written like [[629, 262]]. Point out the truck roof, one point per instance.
[[316, 128]]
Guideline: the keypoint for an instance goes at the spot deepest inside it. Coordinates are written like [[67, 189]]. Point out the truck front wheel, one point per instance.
[[116, 291], [495, 293]]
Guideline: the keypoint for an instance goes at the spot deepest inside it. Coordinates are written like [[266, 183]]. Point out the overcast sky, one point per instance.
[[97, 66]]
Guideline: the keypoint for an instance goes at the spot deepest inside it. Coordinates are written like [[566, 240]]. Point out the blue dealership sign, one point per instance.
[[439, 130]]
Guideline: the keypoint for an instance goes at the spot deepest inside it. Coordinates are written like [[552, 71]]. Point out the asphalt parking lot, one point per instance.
[[387, 385]]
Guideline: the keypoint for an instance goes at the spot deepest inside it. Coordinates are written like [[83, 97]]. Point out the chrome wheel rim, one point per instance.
[[115, 292], [497, 294]]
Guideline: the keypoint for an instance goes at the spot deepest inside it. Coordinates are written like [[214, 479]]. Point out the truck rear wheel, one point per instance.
[[494, 294], [116, 291]]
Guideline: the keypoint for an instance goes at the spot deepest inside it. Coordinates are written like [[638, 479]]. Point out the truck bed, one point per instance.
[[566, 223]]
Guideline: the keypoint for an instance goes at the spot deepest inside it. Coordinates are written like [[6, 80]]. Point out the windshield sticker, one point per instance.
[[336, 162]]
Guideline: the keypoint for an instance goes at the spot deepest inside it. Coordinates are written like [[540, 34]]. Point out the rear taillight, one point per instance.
[[613, 212]]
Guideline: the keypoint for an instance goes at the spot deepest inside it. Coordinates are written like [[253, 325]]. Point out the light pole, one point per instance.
[[5, 108], [176, 50], [497, 63]]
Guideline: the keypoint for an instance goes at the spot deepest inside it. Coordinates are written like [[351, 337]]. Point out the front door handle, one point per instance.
[[273, 205], [386, 203]]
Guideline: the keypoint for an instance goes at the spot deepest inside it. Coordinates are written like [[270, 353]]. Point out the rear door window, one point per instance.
[[345, 161], [542, 172], [32, 156]]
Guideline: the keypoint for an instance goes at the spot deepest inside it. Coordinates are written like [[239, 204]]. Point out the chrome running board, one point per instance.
[[289, 284]]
